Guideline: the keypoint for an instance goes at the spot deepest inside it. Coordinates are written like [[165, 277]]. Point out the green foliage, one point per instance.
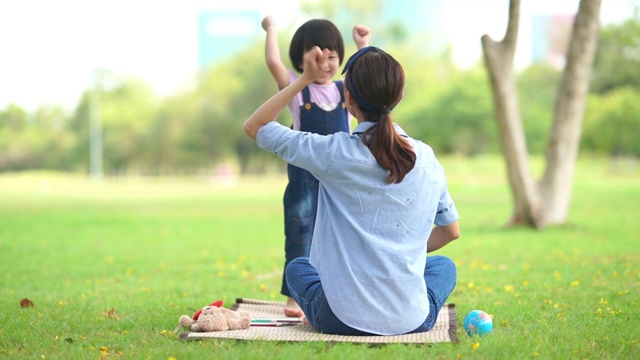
[[618, 57], [458, 116], [612, 123], [37, 140], [537, 90], [155, 250]]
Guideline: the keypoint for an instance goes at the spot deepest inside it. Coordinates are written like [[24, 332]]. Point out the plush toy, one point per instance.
[[216, 318]]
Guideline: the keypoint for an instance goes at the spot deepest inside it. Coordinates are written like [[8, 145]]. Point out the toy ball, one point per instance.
[[478, 322]]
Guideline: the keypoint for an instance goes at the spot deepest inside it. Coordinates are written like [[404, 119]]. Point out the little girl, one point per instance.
[[319, 108]]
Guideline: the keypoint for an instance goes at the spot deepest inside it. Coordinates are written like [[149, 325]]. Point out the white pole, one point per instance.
[[95, 130]]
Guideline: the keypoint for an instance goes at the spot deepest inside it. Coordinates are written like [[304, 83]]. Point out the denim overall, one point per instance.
[[301, 195]]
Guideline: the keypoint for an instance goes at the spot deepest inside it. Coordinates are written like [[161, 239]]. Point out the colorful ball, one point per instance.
[[478, 322]]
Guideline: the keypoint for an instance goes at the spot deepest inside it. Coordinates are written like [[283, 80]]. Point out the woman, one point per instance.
[[381, 193]]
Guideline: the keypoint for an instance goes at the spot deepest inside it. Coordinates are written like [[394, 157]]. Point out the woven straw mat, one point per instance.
[[443, 331]]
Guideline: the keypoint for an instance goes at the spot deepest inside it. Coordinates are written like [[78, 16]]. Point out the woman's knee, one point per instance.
[[442, 262], [441, 266]]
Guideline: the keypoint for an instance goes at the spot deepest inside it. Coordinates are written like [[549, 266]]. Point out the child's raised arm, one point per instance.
[[272, 53], [361, 36]]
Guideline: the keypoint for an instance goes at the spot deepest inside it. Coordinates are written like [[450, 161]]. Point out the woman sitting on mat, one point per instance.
[[383, 204]]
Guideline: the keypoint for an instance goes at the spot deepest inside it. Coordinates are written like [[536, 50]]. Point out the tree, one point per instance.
[[127, 109], [547, 202]]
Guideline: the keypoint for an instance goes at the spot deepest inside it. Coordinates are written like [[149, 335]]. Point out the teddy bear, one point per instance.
[[214, 317]]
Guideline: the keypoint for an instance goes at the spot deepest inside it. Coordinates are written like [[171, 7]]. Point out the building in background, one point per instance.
[[223, 32], [425, 25], [424, 22], [550, 37]]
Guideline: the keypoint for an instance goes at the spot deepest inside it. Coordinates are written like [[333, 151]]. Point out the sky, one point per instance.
[[49, 50]]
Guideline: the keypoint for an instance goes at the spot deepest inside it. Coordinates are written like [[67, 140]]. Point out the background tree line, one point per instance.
[[198, 129]]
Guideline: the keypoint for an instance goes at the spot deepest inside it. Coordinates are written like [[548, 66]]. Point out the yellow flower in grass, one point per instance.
[[508, 288], [603, 302], [475, 346]]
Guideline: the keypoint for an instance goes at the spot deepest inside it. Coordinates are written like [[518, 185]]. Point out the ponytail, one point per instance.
[[391, 151], [376, 84]]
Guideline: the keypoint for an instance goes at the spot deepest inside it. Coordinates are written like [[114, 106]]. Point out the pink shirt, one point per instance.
[[326, 97]]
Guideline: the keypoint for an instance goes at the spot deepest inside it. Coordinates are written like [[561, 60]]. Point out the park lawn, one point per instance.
[[111, 266]]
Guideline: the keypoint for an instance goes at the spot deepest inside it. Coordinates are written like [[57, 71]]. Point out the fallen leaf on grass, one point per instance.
[[112, 314], [26, 303]]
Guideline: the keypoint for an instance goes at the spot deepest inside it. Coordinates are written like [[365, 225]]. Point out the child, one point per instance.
[[319, 109], [383, 204]]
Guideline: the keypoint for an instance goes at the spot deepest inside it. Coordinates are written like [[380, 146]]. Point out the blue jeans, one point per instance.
[[305, 287]]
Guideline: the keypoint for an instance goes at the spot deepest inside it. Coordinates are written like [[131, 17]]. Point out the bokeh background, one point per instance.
[[113, 88]]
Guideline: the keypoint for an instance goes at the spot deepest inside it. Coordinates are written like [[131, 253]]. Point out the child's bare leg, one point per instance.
[[292, 309]]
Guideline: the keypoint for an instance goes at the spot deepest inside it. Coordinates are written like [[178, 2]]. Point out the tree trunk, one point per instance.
[[499, 61], [562, 151], [548, 204]]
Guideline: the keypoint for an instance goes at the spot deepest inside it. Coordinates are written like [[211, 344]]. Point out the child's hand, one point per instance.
[[314, 62], [361, 35], [268, 22]]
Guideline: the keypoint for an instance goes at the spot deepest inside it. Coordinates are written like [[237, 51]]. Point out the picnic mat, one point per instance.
[[443, 331]]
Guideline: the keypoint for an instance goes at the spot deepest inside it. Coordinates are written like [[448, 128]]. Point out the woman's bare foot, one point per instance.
[[292, 309]]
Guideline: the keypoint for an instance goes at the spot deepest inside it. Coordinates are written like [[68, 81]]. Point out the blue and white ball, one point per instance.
[[478, 322]]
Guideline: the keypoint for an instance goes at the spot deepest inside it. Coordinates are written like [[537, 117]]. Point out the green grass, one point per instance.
[[153, 250]]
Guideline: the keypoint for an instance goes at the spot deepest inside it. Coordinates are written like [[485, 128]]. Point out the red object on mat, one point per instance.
[[216, 304]]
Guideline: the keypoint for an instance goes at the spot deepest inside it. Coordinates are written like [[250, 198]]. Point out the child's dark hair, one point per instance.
[[375, 80], [317, 32]]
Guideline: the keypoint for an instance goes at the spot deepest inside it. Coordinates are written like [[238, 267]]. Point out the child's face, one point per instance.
[[330, 69]]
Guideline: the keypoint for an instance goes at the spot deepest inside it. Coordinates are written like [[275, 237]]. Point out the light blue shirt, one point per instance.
[[370, 239]]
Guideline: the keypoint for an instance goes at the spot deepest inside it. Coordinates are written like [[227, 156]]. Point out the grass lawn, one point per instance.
[[110, 267]]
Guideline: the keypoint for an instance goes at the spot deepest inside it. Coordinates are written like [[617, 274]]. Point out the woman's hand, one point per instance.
[[314, 63]]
